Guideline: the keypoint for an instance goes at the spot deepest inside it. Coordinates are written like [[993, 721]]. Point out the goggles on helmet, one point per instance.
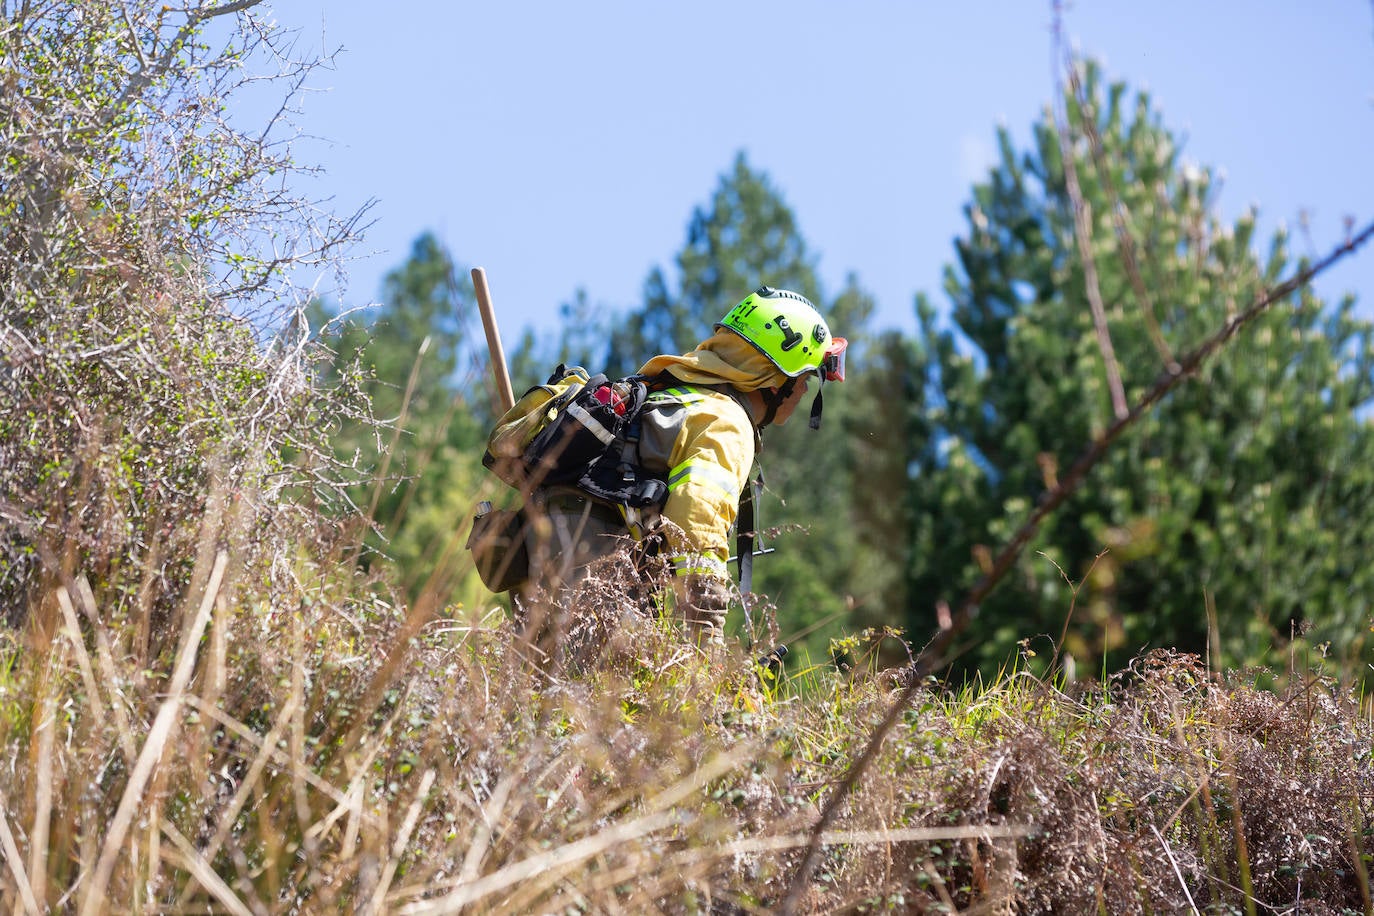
[[832, 364]]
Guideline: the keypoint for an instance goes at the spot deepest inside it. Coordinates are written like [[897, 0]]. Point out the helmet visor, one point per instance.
[[832, 364]]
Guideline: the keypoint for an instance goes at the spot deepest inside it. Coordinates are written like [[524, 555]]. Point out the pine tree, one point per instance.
[[1247, 491]]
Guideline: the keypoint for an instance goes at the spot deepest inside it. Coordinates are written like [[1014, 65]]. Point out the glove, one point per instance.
[[705, 602]]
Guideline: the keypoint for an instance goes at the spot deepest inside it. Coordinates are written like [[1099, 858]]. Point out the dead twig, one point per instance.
[[1082, 233], [1119, 211]]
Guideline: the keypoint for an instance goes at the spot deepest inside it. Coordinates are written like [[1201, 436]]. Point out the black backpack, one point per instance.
[[578, 431]]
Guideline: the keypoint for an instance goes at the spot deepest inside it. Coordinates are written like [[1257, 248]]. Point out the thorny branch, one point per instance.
[[142, 214], [933, 654]]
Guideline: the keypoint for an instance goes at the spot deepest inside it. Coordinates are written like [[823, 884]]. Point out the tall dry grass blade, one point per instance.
[[21, 878], [490, 812], [1209, 603], [398, 848], [713, 769], [83, 659], [349, 803], [217, 675], [684, 863], [188, 858], [941, 890], [298, 735], [1178, 872], [142, 632], [879, 837], [230, 813], [44, 767], [530, 895], [545, 866], [1357, 855], [1247, 883], [213, 680], [151, 877], [153, 747], [104, 657]]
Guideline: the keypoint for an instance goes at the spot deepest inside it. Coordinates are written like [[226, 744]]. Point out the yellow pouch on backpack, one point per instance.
[[518, 426]]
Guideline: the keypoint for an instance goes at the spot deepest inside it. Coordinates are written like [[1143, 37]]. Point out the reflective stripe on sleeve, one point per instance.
[[704, 472], [696, 564], [681, 395]]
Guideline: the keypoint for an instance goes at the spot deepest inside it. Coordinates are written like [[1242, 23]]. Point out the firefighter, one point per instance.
[[700, 432]]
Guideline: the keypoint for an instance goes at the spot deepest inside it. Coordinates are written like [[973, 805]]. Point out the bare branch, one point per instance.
[[228, 9], [1082, 233], [934, 653], [1119, 212]]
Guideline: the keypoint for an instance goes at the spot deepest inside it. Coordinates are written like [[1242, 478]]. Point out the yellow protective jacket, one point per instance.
[[701, 433], [703, 440]]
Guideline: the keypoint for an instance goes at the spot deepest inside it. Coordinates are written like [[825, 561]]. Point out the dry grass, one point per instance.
[[275, 762]]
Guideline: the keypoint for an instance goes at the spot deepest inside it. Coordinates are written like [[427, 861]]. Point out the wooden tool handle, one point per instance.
[[504, 393]]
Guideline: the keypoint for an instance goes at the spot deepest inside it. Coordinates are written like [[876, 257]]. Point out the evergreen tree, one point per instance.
[[745, 238], [1247, 490], [420, 457]]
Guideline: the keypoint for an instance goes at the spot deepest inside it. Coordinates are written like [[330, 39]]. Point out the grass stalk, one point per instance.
[[185, 856], [1357, 854], [398, 847], [1242, 849], [299, 792], [44, 766], [489, 815], [108, 671], [1173, 862], [545, 867], [16, 864], [153, 747]]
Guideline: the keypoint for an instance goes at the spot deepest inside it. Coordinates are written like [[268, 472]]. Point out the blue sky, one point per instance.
[[564, 145]]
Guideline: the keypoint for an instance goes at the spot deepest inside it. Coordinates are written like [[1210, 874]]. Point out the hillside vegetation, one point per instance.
[[219, 693]]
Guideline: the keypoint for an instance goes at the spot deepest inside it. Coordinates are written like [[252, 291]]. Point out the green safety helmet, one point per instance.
[[785, 327]]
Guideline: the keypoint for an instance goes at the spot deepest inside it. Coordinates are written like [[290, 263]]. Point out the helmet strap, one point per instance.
[[774, 400], [816, 403]]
